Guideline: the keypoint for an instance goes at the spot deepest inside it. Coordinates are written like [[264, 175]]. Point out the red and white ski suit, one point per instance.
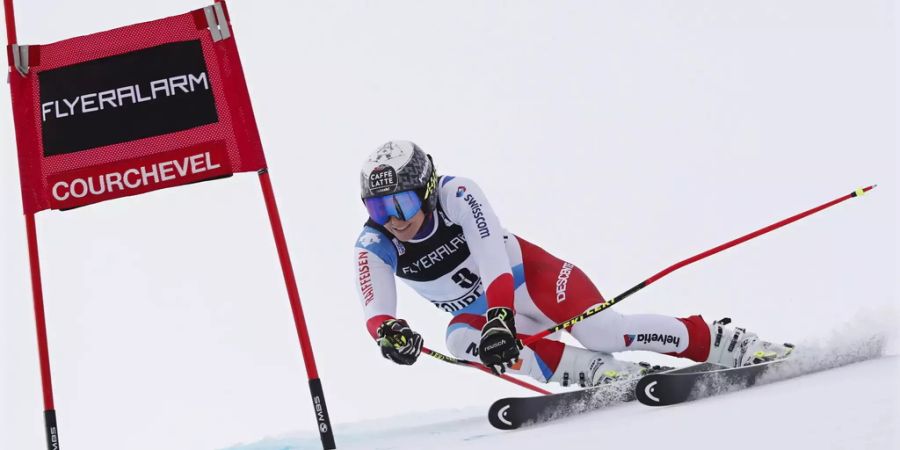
[[464, 262]]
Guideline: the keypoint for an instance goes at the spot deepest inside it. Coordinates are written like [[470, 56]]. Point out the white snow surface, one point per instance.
[[853, 407], [840, 393], [622, 136]]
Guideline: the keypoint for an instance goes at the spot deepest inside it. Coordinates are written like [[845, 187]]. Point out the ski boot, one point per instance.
[[737, 347], [588, 368], [611, 376]]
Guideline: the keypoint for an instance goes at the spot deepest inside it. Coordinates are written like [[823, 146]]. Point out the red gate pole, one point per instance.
[[41, 326], [315, 385], [36, 287], [10, 22]]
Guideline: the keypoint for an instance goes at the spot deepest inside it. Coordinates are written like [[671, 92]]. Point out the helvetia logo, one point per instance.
[[648, 338], [460, 191]]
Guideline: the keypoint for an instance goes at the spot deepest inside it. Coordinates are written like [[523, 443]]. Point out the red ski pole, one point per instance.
[[603, 306], [461, 362]]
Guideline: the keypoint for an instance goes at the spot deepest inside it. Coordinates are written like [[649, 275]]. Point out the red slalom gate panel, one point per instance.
[[131, 110]]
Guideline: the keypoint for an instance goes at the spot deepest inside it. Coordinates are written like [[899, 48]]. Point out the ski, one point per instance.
[[658, 389], [698, 381], [514, 412]]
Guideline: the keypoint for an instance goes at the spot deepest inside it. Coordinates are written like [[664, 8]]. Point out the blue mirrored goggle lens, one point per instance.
[[402, 205]]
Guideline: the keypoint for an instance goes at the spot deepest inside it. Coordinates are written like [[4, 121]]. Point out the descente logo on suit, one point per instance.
[[562, 281]]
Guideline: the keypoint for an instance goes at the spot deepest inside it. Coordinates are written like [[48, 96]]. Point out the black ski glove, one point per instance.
[[398, 342], [499, 347]]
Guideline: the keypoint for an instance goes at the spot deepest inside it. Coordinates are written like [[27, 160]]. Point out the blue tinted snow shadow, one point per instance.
[[388, 434]]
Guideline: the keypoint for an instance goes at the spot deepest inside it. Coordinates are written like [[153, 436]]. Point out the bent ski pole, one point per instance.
[[603, 306], [460, 362]]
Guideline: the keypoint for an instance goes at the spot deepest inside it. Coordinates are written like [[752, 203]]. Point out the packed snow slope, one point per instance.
[[620, 136], [845, 408], [838, 394]]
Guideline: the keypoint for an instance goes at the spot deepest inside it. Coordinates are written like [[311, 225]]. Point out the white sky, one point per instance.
[[621, 136]]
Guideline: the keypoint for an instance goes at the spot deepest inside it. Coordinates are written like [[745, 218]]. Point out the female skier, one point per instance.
[[440, 236]]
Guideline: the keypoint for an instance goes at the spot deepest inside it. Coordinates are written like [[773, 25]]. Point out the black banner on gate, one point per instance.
[[122, 98]]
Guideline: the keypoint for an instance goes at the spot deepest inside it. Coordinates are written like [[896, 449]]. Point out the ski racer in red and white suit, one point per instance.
[[459, 257]]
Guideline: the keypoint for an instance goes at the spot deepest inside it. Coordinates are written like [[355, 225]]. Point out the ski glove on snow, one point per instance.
[[398, 342], [499, 347]]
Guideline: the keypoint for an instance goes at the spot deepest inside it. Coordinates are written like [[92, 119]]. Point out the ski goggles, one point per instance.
[[402, 205]]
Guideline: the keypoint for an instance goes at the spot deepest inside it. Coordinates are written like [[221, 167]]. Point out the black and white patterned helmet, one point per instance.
[[399, 166]]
